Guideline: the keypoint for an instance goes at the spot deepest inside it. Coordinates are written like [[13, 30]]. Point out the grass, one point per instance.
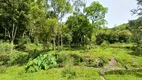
[[121, 55], [83, 70], [124, 75], [78, 73]]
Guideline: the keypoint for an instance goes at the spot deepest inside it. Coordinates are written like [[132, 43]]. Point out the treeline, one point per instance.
[[41, 21]]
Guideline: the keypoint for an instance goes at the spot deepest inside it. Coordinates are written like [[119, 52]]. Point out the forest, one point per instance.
[[67, 40]]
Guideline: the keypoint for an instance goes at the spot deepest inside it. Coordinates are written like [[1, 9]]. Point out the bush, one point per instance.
[[32, 46], [71, 59], [105, 44], [137, 51], [18, 58], [2, 69], [92, 62], [44, 62], [6, 47], [4, 59]]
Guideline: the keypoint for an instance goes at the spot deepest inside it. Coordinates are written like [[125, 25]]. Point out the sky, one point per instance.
[[118, 11]]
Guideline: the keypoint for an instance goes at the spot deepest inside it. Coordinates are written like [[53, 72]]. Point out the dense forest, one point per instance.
[[37, 42]]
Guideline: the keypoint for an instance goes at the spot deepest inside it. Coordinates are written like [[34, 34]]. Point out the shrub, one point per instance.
[[64, 59], [71, 59], [4, 59], [45, 62], [6, 47], [105, 44], [2, 69], [137, 51], [32, 46], [18, 58]]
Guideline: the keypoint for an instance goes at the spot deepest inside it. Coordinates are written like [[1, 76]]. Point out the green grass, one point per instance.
[[124, 75], [78, 73], [121, 55], [83, 70]]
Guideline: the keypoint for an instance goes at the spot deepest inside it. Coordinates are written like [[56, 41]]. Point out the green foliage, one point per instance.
[[68, 59], [137, 51], [105, 44], [124, 35], [33, 46], [96, 12], [45, 62], [2, 69], [80, 28], [113, 36], [120, 27], [18, 58], [6, 47], [135, 27]]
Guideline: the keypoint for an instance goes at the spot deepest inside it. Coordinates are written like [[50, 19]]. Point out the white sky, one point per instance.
[[118, 10]]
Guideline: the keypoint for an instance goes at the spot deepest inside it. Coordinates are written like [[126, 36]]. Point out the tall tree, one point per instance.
[[60, 9], [37, 18], [95, 12], [53, 26]]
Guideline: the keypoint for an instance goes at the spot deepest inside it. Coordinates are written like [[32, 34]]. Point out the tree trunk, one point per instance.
[[61, 34], [13, 34], [58, 41], [11, 50], [54, 44]]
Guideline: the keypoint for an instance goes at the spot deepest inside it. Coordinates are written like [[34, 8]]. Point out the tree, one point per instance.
[[95, 12], [60, 8], [135, 25], [53, 26], [77, 6], [37, 19], [13, 18], [136, 28], [124, 35], [138, 11], [80, 29]]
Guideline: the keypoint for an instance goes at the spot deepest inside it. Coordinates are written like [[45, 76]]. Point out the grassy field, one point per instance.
[[69, 73], [79, 64]]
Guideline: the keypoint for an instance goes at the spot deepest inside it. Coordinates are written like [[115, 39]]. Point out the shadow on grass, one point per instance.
[[136, 51]]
